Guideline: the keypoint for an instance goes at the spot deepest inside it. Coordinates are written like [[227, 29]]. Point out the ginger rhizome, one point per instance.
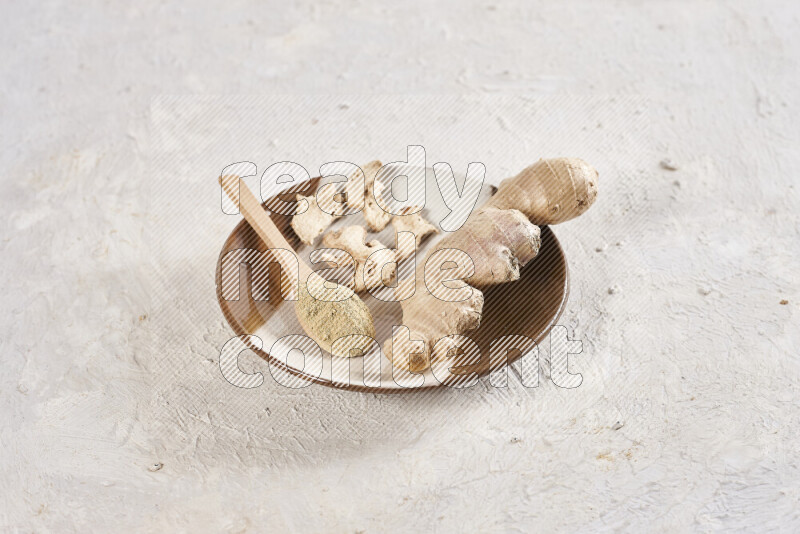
[[312, 222], [497, 240], [376, 218], [360, 191], [550, 191], [417, 225], [370, 257]]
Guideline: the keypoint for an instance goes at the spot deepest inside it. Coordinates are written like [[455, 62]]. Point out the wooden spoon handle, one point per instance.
[[258, 219]]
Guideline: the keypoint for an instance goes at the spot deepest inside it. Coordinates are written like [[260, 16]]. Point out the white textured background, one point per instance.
[[692, 350]]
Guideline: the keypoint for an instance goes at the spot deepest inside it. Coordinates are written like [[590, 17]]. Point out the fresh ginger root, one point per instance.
[[316, 219], [312, 222], [500, 238], [376, 218], [550, 191], [417, 225], [351, 239]]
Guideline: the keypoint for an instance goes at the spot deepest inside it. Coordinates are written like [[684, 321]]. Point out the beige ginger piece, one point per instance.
[[360, 195], [376, 218], [369, 269], [499, 242], [550, 191], [311, 223], [417, 225], [500, 238]]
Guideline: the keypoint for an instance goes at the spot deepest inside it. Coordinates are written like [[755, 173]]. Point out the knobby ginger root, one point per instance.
[[415, 224], [550, 191], [360, 194], [370, 257], [500, 238], [376, 218], [312, 222], [499, 242]]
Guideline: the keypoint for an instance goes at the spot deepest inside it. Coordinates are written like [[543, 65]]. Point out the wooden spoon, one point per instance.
[[324, 321]]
